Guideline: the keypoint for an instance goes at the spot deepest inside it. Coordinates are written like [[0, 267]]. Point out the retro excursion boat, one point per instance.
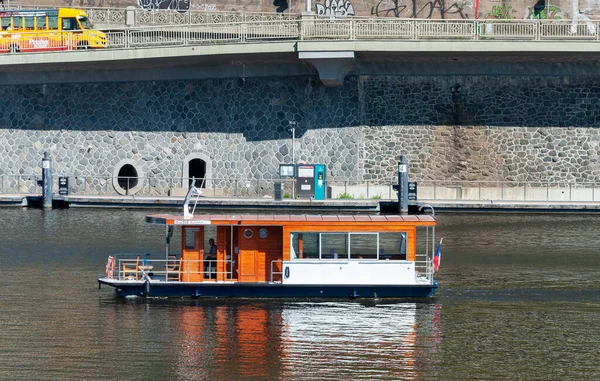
[[274, 256]]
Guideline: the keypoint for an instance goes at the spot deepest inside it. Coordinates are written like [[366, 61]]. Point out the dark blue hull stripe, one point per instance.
[[267, 290]]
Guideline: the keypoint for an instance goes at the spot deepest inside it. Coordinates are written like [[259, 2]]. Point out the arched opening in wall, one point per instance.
[[127, 177], [197, 170]]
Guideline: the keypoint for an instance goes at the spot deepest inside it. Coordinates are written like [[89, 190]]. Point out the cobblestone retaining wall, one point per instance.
[[455, 128]]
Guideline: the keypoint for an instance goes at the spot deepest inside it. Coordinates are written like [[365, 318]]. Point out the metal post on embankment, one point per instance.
[[47, 180], [403, 185]]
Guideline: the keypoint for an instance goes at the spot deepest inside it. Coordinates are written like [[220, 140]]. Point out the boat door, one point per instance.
[[192, 250], [247, 257], [261, 252]]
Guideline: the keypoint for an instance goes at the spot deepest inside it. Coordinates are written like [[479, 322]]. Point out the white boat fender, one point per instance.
[[147, 286]]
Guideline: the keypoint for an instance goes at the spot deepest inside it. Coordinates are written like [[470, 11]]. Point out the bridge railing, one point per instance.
[[363, 27], [117, 17], [351, 29], [316, 29]]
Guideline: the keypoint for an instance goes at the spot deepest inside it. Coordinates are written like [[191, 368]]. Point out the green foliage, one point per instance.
[[345, 195], [287, 195], [377, 197]]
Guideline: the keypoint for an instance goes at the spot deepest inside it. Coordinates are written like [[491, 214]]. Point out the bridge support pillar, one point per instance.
[[332, 66]]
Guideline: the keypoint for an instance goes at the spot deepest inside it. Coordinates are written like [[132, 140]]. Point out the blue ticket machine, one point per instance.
[[320, 181]]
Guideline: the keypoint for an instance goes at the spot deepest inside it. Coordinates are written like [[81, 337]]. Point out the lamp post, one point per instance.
[[293, 129]]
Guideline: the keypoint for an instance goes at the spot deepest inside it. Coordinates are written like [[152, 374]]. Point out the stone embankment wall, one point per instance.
[[450, 128]]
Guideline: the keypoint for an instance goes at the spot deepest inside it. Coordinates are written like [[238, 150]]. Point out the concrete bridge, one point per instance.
[[331, 48]]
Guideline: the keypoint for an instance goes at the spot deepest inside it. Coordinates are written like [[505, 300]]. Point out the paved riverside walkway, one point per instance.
[[297, 205]]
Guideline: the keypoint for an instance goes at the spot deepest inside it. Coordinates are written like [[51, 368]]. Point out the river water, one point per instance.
[[518, 300]]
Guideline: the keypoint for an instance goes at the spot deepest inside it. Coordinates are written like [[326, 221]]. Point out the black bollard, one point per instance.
[[403, 185], [47, 180]]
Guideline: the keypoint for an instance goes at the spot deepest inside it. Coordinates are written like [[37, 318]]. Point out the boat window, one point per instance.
[[334, 246], [305, 246], [363, 245], [392, 246], [348, 246], [190, 238]]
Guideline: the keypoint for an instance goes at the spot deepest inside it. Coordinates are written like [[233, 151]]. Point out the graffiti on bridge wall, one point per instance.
[[550, 13], [542, 12], [334, 8], [426, 10], [500, 12], [505, 12], [204, 7], [179, 5], [582, 12]]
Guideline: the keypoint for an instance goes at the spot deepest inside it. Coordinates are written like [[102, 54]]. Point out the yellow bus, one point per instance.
[[50, 29]]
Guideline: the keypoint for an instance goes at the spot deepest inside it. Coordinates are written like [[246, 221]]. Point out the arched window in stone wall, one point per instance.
[[198, 166], [127, 177], [197, 170]]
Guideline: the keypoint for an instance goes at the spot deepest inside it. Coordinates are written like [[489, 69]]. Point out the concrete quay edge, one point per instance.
[[298, 205]]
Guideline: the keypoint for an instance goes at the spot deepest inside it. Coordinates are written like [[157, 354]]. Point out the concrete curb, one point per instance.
[[298, 205]]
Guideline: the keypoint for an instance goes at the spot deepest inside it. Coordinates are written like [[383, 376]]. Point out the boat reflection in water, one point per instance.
[[307, 340]]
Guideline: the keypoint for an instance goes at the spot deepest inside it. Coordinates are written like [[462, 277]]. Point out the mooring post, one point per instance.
[[47, 180], [403, 185]]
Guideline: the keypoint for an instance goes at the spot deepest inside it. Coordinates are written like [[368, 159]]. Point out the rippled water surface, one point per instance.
[[519, 299]]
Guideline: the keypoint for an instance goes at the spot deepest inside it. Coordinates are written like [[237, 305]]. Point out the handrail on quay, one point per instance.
[[428, 190]]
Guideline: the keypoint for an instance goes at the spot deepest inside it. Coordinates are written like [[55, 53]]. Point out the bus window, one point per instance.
[[85, 22], [28, 22], [40, 22], [5, 23], [17, 22], [53, 22], [70, 24]]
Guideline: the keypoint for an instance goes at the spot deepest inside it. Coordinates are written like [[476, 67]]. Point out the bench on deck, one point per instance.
[[173, 266], [131, 270]]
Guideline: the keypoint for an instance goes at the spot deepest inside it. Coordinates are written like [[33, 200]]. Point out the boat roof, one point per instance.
[[286, 219]]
